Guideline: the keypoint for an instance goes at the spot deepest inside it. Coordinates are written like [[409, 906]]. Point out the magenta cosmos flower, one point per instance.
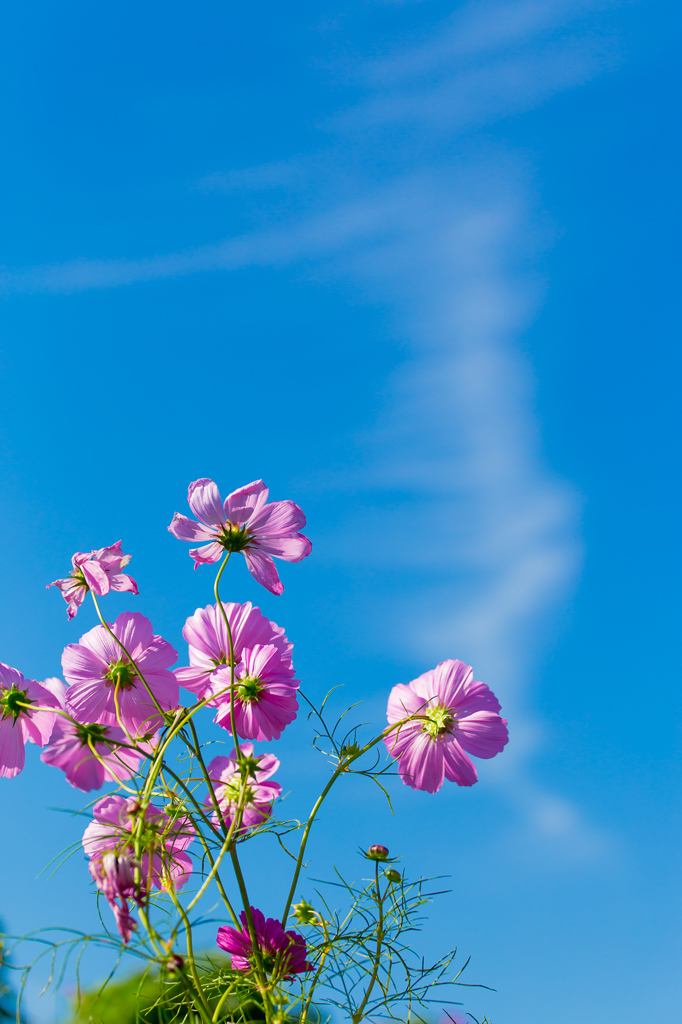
[[115, 878], [284, 953], [225, 775], [456, 715], [70, 749], [164, 861], [244, 522], [265, 694], [99, 571], [209, 646], [97, 669], [18, 721]]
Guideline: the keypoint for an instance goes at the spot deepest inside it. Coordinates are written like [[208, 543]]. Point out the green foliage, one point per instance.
[[129, 1001], [152, 998]]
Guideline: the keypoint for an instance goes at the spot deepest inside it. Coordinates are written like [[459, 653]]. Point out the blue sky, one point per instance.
[[416, 265]]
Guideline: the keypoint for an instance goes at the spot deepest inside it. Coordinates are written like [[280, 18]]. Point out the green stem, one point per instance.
[[39, 707], [318, 972], [358, 1015], [202, 1005], [224, 996], [207, 779], [231, 653], [249, 921], [107, 767], [223, 850], [153, 938]]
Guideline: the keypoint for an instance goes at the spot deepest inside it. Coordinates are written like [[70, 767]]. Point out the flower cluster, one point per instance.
[[110, 840], [211, 647], [118, 711], [118, 822]]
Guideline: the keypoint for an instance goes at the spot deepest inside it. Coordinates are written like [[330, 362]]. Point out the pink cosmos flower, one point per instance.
[[99, 571], [225, 774], [115, 878], [18, 723], [97, 670], [209, 646], [164, 861], [456, 715], [284, 953], [70, 750], [265, 694], [243, 522]]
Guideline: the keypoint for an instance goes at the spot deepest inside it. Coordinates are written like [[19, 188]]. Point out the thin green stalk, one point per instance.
[[249, 920], [318, 972], [231, 644], [203, 1005], [358, 1015], [151, 932], [119, 717], [204, 772], [91, 745], [38, 707], [223, 850], [226, 994]]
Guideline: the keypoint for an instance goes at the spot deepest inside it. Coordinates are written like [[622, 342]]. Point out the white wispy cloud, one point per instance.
[[479, 29], [485, 536]]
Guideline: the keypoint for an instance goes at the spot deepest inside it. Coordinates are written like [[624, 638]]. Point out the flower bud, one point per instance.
[[305, 914], [393, 876], [378, 853], [176, 963]]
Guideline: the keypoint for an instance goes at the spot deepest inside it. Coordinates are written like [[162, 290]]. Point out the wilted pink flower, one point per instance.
[[284, 953], [99, 571], [265, 694], [243, 522], [164, 839], [70, 750], [226, 775], [97, 669], [18, 722], [455, 714], [115, 878], [209, 646]]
